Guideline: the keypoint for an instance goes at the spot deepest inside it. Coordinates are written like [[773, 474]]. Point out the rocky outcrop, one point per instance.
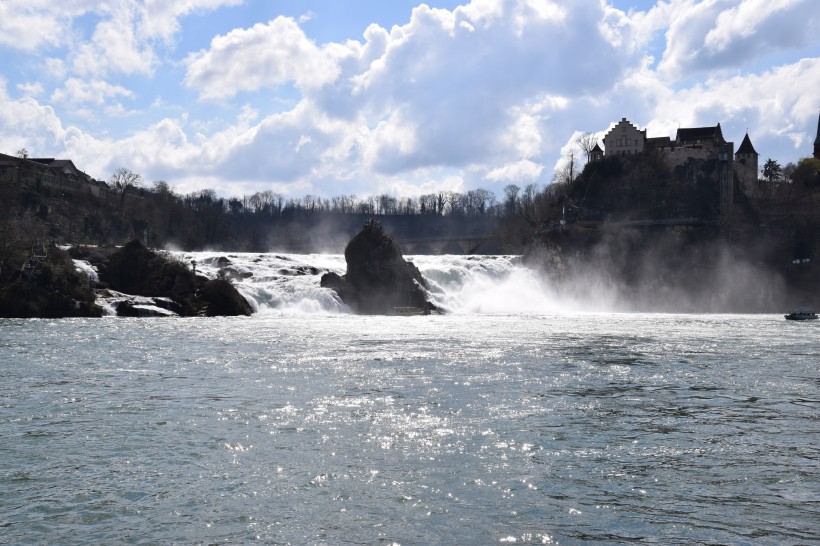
[[379, 281], [135, 269], [46, 285], [222, 299]]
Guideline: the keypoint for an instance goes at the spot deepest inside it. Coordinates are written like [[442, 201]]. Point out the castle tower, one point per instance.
[[624, 139], [596, 153], [817, 140], [746, 164]]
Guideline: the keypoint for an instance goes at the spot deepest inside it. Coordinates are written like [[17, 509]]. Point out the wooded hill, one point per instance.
[[775, 224]]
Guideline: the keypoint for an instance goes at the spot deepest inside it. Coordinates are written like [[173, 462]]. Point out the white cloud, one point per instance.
[[264, 55], [29, 24], [25, 122], [123, 36], [115, 47], [709, 35], [520, 171], [30, 89], [55, 68], [76, 91], [774, 105], [489, 93], [160, 18], [460, 85]]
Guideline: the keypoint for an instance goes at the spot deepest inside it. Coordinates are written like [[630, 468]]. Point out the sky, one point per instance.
[[365, 97]]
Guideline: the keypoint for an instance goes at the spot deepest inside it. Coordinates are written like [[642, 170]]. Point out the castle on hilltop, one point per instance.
[[699, 151]]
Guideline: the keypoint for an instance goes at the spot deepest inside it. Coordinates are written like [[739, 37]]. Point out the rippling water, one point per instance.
[[470, 429]]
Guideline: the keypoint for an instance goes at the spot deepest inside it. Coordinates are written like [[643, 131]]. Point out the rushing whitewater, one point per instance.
[[289, 283]]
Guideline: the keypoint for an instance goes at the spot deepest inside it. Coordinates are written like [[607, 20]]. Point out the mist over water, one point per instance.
[[290, 283], [626, 270]]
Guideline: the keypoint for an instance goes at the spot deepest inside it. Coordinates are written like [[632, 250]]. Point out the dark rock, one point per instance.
[[336, 283], [137, 270], [47, 286], [222, 299], [233, 273], [219, 261], [168, 305], [378, 278], [299, 270], [128, 308]]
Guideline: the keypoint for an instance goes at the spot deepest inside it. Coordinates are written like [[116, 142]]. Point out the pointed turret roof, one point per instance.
[[817, 138], [746, 147]]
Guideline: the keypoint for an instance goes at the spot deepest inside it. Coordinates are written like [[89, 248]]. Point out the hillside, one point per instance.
[[660, 239]]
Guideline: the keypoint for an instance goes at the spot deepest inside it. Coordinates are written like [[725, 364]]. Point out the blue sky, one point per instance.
[[367, 97]]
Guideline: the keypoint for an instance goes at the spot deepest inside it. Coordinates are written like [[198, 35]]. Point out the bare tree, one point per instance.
[[511, 202], [587, 143], [163, 190], [124, 180], [567, 173], [22, 153]]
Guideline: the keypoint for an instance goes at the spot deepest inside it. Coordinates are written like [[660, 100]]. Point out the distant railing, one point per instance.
[[667, 222], [442, 239]]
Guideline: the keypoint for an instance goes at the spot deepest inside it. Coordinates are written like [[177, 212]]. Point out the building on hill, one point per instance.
[[624, 139], [61, 174], [658, 143], [596, 153], [696, 136], [747, 165], [700, 151], [697, 143]]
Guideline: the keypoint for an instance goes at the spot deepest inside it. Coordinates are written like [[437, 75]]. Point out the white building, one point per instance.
[[624, 139]]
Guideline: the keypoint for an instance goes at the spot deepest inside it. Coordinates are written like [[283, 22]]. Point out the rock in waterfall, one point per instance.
[[135, 269], [379, 281]]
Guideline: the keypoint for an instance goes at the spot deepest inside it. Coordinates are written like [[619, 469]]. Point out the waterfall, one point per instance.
[[289, 283]]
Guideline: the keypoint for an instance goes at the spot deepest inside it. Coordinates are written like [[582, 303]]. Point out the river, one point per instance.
[[517, 418]]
